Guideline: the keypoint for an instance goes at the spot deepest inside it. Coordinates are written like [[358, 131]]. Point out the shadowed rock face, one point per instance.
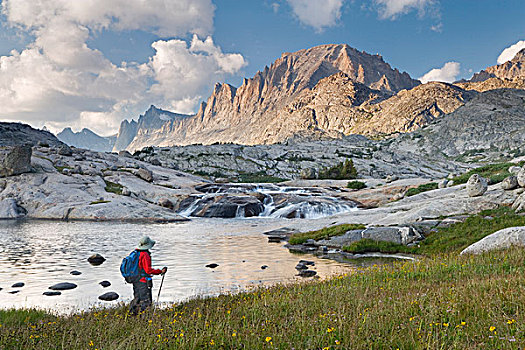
[[16, 134], [87, 139]]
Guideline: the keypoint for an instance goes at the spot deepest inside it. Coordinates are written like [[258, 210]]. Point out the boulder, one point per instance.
[[156, 162], [443, 183], [514, 170], [50, 294], [264, 267], [476, 186], [109, 296], [63, 286], [15, 160], [105, 284], [521, 177], [309, 174], [96, 259], [18, 285], [510, 183], [126, 192], [307, 262], [391, 178], [401, 235], [502, 239], [65, 150], [75, 273], [77, 169], [519, 203], [307, 273], [165, 203], [301, 267], [145, 174], [9, 209]]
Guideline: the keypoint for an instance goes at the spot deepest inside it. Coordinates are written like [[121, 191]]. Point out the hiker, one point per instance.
[[142, 288]]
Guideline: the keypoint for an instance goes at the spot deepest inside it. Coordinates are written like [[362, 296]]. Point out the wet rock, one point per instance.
[[306, 262], [15, 160], [165, 203], [212, 266], [65, 151], [476, 186], [14, 292], [307, 273], [301, 267], [145, 174], [105, 284], [50, 294], [75, 273], [276, 238], [109, 296], [510, 183], [264, 267], [224, 206], [63, 286], [96, 259], [9, 209], [18, 285]]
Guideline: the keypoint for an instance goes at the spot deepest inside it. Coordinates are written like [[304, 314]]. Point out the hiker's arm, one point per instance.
[[146, 264]]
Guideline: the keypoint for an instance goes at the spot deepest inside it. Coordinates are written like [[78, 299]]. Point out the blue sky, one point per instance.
[[101, 61]]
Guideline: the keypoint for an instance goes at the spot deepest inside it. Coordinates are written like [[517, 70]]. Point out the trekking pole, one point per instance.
[[158, 296]]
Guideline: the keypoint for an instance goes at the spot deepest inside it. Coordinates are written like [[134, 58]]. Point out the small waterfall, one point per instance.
[[278, 202]]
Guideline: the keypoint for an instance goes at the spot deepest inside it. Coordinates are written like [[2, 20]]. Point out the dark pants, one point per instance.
[[142, 297]]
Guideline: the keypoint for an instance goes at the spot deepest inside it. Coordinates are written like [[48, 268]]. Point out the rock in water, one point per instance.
[[18, 285], [521, 177], [105, 284], [9, 209], [50, 294], [96, 259], [75, 273], [306, 262], [109, 296], [301, 267], [15, 160], [264, 267], [502, 239], [145, 174], [476, 186], [212, 266], [13, 291], [307, 273], [510, 183], [63, 286]]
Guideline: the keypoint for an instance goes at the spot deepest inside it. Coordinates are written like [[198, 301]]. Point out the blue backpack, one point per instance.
[[130, 267]]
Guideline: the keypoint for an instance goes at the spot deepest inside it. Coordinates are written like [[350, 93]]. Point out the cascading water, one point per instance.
[[266, 200]]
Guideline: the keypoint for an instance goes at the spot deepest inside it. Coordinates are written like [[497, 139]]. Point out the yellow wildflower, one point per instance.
[[445, 324], [234, 334], [268, 339], [492, 328]]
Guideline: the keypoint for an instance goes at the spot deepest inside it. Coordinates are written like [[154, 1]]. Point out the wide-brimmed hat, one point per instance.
[[145, 243]]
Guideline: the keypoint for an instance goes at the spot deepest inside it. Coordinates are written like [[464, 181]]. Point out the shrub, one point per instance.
[[342, 171], [113, 187], [356, 185], [495, 173], [421, 188]]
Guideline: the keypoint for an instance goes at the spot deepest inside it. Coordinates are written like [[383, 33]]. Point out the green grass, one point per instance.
[[324, 233], [451, 239], [113, 187], [421, 188], [369, 246], [259, 178], [356, 185], [495, 173], [447, 302], [99, 202], [61, 168]]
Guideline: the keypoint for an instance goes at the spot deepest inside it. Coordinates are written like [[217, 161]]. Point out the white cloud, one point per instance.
[[318, 14], [448, 73], [511, 51], [394, 8], [60, 81]]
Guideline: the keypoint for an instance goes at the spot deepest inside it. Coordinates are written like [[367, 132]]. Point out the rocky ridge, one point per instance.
[[87, 139]]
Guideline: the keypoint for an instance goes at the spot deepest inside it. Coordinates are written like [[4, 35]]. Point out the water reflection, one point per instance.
[[41, 253]]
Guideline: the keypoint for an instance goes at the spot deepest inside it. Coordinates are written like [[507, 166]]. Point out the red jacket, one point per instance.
[[145, 265]]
